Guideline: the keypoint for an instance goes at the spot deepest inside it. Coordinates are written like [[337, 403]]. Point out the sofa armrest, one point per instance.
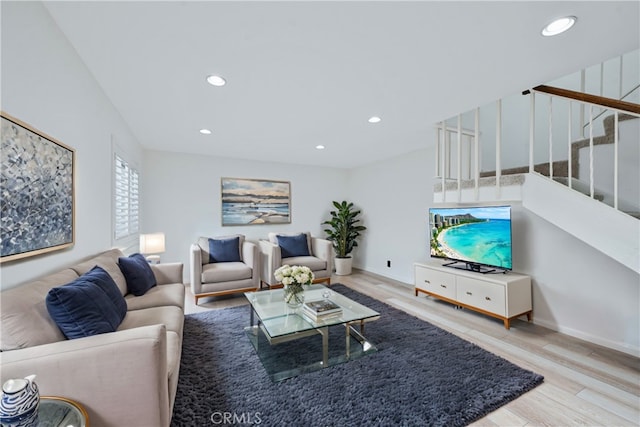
[[271, 259], [323, 249], [195, 262], [168, 273], [120, 378]]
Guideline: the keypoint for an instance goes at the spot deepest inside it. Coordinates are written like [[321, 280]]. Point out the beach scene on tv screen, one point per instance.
[[480, 235]]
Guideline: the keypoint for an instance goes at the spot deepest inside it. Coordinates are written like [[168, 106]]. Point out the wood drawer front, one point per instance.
[[436, 282], [483, 295]]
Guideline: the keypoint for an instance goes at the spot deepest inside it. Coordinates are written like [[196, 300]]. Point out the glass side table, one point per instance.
[[56, 411]]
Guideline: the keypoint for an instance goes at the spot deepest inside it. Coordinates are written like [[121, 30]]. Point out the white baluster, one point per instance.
[[532, 127], [476, 139], [591, 185], [569, 143], [615, 160], [551, 137], [498, 146], [459, 142]]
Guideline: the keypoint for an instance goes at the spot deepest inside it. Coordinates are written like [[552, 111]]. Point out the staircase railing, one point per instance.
[[616, 107], [465, 144], [622, 98], [587, 98]]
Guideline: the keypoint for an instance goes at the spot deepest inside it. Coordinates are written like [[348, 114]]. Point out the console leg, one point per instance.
[[507, 323]]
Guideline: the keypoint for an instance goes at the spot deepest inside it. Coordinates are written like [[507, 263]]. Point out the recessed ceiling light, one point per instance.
[[205, 131], [320, 147], [216, 80], [374, 119], [559, 25]]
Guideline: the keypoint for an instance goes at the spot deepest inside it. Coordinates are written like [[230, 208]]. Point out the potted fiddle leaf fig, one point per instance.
[[343, 230]]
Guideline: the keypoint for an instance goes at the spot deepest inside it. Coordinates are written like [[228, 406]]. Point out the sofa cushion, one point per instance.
[[224, 250], [158, 296], [82, 308], [225, 272], [138, 274], [109, 261], [170, 316], [292, 246], [203, 242], [24, 319]]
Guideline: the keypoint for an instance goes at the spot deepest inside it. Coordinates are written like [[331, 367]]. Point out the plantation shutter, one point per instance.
[[126, 222]]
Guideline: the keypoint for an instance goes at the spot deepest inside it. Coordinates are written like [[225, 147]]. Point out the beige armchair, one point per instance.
[[219, 270], [318, 257]]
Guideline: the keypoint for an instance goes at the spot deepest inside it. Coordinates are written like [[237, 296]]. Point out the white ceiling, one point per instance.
[[307, 73]]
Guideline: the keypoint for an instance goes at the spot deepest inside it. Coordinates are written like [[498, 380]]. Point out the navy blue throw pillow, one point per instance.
[[291, 246], [137, 273], [100, 277], [224, 250], [82, 309]]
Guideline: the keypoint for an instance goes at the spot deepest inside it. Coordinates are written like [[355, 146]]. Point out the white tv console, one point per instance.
[[504, 296]]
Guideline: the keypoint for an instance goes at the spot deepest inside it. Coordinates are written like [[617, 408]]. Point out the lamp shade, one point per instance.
[[152, 243]]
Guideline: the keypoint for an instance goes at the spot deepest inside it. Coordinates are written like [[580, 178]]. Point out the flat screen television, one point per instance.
[[478, 237]]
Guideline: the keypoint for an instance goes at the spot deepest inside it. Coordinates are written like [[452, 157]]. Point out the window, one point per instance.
[[126, 208]]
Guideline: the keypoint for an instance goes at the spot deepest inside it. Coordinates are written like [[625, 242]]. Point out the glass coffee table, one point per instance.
[[317, 345]]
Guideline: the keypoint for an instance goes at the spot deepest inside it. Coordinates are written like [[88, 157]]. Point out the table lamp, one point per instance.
[[152, 244]]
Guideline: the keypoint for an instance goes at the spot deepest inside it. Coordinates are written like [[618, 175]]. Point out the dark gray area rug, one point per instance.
[[420, 376]]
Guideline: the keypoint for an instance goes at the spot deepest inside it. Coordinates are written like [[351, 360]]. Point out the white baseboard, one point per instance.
[[622, 347]]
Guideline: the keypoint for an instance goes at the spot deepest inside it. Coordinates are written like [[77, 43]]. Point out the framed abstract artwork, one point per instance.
[[255, 201], [37, 191]]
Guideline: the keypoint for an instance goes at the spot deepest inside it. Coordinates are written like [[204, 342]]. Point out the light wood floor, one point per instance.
[[585, 384]]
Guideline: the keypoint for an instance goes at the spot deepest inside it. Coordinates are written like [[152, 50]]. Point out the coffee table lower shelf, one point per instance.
[[307, 351]]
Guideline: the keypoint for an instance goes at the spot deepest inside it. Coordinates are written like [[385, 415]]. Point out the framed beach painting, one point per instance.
[[37, 188], [255, 201]]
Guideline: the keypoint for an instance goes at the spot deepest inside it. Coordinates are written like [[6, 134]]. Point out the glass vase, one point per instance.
[[293, 295]]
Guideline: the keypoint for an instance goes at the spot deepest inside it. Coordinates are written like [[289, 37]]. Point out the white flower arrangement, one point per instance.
[[293, 278], [294, 275]]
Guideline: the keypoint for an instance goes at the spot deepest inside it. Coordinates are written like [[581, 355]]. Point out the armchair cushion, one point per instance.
[[293, 246], [273, 238], [138, 274], [225, 272], [224, 250], [314, 263], [203, 243]]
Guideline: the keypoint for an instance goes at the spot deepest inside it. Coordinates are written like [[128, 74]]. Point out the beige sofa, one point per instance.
[[123, 378]]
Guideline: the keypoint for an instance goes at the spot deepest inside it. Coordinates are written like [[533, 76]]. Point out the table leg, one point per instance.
[[325, 345], [347, 328]]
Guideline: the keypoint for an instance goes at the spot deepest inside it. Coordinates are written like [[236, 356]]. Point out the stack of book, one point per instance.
[[321, 309]]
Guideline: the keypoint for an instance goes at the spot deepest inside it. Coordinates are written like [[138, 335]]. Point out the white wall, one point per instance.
[[576, 289], [181, 197], [394, 196], [45, 84]]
